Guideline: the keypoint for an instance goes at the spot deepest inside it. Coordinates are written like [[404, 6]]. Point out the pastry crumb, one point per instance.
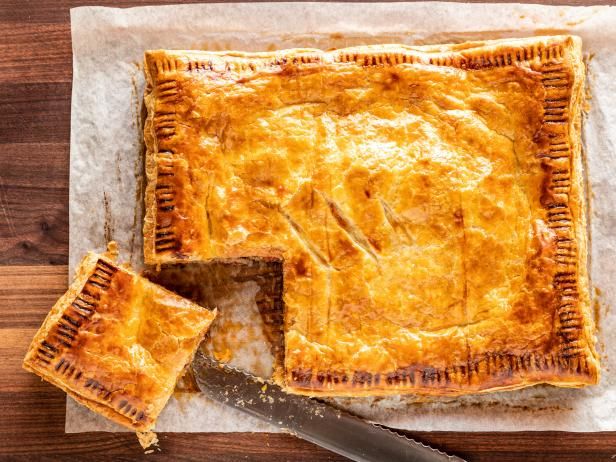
[[112, 250], [148, 440]]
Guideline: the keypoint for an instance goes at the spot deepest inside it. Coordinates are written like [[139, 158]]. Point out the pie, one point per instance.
[[427, 205], [117, 343]]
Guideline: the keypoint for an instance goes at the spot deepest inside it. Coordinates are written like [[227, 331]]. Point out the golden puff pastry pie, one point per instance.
[[427, 204], [117, 343]]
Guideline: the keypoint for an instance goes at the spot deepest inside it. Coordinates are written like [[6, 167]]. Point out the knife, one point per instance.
[[308, 418]]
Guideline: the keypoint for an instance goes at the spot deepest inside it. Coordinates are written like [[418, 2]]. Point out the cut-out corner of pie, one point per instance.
[[454, 168], [117, 343]]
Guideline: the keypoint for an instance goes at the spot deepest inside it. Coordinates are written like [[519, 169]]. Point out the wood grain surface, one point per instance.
[[35, 90]]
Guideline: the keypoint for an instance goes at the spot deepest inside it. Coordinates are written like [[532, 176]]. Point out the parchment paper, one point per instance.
[[106, 179]]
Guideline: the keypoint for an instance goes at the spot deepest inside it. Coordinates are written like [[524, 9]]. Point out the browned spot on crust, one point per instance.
[[300, 267], [458, 217]]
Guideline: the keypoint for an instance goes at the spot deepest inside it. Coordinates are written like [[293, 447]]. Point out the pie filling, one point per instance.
[[426, 202]]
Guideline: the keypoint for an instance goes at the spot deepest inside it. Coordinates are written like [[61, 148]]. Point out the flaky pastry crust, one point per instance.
[[427, 203], [117, 343]]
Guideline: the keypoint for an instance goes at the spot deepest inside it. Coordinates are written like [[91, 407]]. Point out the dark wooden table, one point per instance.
[[35, 94]]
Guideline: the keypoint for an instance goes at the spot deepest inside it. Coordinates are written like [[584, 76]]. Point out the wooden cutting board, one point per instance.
[[35, 92]]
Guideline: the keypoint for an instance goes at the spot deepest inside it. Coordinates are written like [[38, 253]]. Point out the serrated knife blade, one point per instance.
[[308, 418]]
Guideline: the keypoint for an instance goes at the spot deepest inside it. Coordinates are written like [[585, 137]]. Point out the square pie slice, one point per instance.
[[117, 343], [427, 204]]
